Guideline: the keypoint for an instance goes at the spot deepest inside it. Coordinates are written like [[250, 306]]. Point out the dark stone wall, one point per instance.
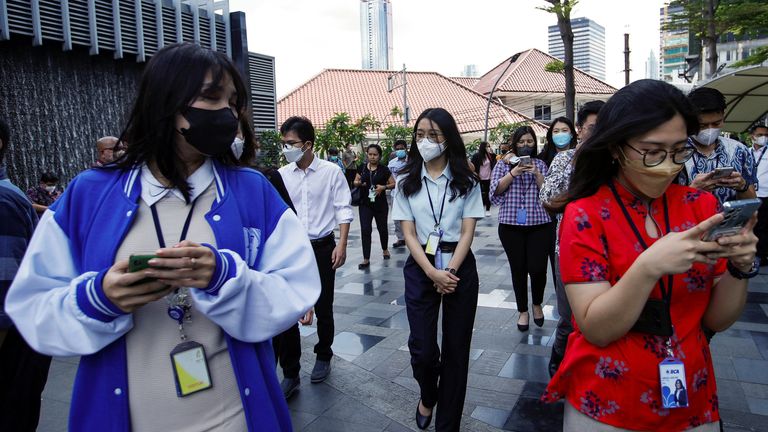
[[58, 103]]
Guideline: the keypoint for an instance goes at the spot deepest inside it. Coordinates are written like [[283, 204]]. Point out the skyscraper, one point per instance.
[[674, 46], [376, 34], [588, 46], [652, 66]]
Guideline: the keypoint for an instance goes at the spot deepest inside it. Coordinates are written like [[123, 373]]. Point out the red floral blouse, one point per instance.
[[619, 384]]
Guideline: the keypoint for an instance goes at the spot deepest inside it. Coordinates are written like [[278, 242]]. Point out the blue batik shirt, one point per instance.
[[728, 152]]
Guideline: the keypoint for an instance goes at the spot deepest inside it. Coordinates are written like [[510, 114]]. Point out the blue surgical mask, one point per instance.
[[400, 154], [334, 158], [562, 139]]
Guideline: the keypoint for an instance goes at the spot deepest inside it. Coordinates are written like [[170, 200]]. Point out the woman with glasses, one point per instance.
[[639, 278], [439, 203], [524, 226], [375, 179], [170, 270]]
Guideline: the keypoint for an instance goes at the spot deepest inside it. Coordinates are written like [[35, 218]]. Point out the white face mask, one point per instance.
[[293, 154], [50, 189], [761, 140], [237, 147], [708, 137], [430, 150]]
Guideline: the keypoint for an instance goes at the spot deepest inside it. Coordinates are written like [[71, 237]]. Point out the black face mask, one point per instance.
[[211, 132], [524, 151]]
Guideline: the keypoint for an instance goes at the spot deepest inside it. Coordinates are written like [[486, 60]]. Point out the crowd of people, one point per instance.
[[184, 284]]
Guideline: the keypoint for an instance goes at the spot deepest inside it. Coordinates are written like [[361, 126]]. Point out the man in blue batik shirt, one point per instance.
[[714, 151]]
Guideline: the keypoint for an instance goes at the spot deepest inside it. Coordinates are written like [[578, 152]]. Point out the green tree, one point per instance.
[[503, 131], [709, 20], [562, 10], [272, 153], [340, 130]]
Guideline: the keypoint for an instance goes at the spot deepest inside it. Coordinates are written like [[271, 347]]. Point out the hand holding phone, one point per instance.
[[736, 215], [525, 160], [721, 172]]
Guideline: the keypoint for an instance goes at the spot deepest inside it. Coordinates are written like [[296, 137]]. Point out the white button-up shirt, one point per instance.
[[320, 195], [153, 191], [761, 170]]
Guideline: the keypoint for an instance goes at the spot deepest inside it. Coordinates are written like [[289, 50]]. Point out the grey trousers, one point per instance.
[[564, 326]]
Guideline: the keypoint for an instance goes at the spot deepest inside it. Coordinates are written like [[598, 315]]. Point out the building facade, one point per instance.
[[673, 46], [652, 66], [71, 68], [376, 34], [588, 46]]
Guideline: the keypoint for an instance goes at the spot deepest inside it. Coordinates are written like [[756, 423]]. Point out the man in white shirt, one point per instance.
[[322, 198], [759, 147], [396, 167]]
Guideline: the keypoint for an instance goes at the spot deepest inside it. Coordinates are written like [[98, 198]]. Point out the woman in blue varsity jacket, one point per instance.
[[170, 270]]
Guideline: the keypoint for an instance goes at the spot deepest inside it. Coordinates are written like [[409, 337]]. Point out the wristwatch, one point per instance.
[[738, 274], [450, 270]]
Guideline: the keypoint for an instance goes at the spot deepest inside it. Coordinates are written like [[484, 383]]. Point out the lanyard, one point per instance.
[[442, 206], [762, 153], [159, 230], [666, 294]]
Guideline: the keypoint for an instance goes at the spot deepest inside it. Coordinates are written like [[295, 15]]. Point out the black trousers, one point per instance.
[[485, 189], [367, 214], [761, 229], [527, 249], [442, 377], [287, 345], [23, 373]]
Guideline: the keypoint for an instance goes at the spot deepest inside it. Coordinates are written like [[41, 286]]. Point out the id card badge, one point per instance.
[[433, 241], [439, 259], [372, 195], [674, 393], [190, 368], [522, 216]]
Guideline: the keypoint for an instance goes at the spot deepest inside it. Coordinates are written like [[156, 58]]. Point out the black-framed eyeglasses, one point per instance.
[[651, 158], [288, 144]]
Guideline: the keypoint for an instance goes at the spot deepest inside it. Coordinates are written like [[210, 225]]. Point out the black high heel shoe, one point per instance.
[[539, 321], [522, 327], [362, 266], [422, 421]]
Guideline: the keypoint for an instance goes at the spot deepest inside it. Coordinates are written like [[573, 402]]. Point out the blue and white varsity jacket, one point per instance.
[[266, 278]]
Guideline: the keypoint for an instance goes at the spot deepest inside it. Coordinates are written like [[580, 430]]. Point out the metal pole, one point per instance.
[[405, 99], [490, 96]]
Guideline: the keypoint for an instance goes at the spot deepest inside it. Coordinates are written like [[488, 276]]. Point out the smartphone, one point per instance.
[[721, 172], [737, 214], [525, 160], [139, 262]]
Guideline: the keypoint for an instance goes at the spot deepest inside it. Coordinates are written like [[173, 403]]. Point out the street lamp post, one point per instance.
[[490, 95], [392, 84]]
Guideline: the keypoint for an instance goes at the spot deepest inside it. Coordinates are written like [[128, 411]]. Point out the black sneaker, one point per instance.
[[320, 371], [289, 386]]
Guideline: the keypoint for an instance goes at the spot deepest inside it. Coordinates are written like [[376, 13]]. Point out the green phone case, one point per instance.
[[139, 262]]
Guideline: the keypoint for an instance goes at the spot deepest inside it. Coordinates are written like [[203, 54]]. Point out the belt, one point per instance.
[[448, 247], [323, 240]]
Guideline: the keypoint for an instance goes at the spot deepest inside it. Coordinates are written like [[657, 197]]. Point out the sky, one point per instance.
[[307, 36]]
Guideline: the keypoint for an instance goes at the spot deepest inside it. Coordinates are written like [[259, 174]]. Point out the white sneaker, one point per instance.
[[487, 214]]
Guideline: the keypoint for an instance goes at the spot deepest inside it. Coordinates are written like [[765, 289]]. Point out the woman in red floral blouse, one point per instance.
[[627, 235]]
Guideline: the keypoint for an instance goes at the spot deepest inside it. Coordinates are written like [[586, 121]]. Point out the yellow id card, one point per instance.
[[190, 368], [433, 241]]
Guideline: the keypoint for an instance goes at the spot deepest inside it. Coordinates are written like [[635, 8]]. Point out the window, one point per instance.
[[542, 112]]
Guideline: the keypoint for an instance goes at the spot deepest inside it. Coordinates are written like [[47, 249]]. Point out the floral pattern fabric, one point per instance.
[[619, 384]]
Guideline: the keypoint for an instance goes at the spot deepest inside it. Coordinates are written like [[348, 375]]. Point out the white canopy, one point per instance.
[[746, 96]]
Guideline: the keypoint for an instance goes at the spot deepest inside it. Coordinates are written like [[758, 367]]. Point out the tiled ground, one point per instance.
[[371, 387]]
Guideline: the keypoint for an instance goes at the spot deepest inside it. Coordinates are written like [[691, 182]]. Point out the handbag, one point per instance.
[[356, 196]]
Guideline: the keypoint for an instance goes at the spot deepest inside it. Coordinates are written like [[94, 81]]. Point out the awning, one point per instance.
[[746, 96]]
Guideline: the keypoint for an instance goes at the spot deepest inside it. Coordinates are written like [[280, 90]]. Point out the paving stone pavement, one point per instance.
[[371, 387]]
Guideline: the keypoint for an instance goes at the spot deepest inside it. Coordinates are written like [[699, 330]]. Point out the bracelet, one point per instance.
[[738, 274]]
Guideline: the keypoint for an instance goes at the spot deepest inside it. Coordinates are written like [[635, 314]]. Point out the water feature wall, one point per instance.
[[58, 104]]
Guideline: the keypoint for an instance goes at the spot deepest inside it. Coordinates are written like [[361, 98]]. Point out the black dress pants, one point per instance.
[[367, 214], [23, 373], [442, 377], [287, 345], [527, 248], [485, 189]]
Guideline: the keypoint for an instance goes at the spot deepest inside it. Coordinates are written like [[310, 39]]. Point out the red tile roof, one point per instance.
[[527, 74], [466, 81], [361, 92]]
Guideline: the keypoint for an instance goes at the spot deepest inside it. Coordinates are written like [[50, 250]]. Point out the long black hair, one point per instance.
[[517, 135], [478, 159], [171, 82], [463, 178], [550, 150], [632, 111]]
